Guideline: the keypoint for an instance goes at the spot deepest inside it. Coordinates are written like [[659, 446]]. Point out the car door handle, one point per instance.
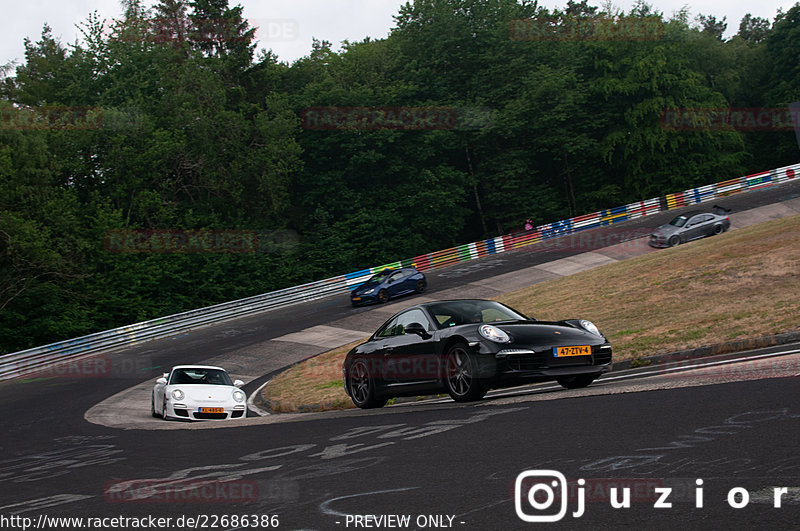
[[388, 350]]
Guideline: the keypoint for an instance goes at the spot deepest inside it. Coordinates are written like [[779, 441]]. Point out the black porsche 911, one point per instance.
[[465, 348]]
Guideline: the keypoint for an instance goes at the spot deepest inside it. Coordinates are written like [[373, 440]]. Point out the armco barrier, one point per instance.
[[27, 362]]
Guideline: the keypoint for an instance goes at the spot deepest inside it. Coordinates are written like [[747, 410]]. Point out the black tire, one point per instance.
[[674, 240], [383, 296], [576, 382], [421, 286], [718, 229], [460, 377], [153, 406], [164, 409], [361, 386]]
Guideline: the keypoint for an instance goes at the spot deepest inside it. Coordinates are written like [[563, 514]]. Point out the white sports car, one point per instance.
[[198, 392]]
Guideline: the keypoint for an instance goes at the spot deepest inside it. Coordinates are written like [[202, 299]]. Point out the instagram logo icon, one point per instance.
[[537, 493]]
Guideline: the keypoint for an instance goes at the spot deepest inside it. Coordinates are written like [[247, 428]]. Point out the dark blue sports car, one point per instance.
[[388, 284]]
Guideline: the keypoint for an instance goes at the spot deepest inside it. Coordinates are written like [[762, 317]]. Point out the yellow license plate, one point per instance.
[[212, 410], [563, 352]]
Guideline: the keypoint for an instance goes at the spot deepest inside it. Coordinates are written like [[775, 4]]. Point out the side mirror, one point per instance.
[[238, 383], [416, 328], [161, 381]]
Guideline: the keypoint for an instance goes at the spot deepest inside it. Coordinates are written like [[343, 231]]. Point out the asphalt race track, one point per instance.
[[732, 425]]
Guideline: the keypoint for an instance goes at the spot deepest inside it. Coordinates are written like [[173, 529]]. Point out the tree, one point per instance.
[[709, 24], [753, 29]]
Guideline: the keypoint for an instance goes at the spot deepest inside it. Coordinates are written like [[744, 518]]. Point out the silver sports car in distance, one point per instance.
[[198, 392], [691, 226]]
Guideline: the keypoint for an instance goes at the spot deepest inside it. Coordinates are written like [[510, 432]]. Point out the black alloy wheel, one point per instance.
[[461, 378], [362, 386]]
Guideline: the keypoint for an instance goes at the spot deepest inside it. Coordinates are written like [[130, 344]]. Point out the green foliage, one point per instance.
[[182, 126]]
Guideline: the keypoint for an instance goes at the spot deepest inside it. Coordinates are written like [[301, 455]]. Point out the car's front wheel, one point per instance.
[[461, 375], [576, 382], [361, 386], [383, 296], [674, 240], [153, 406]]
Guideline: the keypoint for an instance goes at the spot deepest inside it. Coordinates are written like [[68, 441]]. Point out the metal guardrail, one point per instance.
[[31, 361], [38, 359]]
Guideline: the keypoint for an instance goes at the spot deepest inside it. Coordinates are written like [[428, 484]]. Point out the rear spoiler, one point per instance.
[[721, 211]]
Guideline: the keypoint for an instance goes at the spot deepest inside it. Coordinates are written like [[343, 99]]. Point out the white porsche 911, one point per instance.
[[198, 392]]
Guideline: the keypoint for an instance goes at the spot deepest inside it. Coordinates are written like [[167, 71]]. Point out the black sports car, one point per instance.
[[465, 348]]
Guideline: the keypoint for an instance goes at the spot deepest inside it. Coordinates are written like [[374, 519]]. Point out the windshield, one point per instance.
[[380, 277], [679, 221], [199, 376], [454, 313]]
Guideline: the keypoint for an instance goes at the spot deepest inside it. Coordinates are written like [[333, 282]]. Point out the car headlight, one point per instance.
[[492, 333], [239, 396], [369, 291], [590, 327], [177, 394]]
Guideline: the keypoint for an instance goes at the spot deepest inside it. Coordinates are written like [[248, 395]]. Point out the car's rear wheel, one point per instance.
[[673, 241], [461, 375], [576, 382], [383, 296], [361, 386], [420, 286], [718, 229]]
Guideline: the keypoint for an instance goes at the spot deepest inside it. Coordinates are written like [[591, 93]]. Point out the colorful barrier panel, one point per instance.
[[564, 227]]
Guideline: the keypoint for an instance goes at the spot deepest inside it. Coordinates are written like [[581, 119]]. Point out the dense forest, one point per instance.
[[469, 118]]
